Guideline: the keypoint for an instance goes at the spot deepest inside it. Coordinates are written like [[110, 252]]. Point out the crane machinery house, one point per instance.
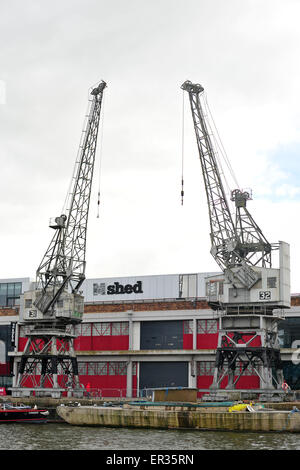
[[271, 288]]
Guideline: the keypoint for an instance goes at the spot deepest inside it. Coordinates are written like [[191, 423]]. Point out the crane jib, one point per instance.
[[64, 263], [235, 243]]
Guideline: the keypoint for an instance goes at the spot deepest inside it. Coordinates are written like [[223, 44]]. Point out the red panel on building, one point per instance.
[[105, 336], [107, 378], [110, 386], [207, 333], [5, 368], [187, 341], [22, 343], [207, 341], [101, 343]]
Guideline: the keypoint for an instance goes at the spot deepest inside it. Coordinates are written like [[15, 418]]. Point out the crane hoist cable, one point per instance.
[[219, 142], [100, 156], [220, 152], [182, 148]]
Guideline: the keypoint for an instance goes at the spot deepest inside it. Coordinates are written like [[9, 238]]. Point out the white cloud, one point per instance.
[[246, 56]]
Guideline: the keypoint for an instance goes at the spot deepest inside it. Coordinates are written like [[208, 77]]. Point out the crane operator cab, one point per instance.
[[271, 289], [69, 307]]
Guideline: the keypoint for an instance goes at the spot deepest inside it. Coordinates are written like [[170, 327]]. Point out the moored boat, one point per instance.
[[11, 413], [166, 416]]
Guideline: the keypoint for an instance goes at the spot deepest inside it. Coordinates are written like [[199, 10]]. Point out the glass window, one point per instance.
[[3, 289], [271, 282], [124, 328], [207, 326], [11, 288], [201, 327], [212, 326], [86, 329], [82, 368], [289, 332], [108, 329], [119, 328], [291, 374], [116, 328], [83, 329], [101, 329], [102, 368], [10, 293], [205, 368], [188, 327], [18, 288], [10, 301], [2, 352], [117, 368], [93, 368]]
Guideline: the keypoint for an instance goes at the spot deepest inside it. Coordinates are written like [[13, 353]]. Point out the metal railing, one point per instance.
[[109, 393], [102, 393]]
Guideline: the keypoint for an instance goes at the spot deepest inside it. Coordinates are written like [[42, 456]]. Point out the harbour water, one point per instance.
[[61, 436]]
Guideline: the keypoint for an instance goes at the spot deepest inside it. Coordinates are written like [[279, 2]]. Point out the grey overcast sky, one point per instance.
[[246, 55]]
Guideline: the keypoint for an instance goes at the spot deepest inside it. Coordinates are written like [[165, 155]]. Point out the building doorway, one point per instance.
[[163, 374]]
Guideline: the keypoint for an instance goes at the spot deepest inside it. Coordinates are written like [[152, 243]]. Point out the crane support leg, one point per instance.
[[44, 362], [244, 351]]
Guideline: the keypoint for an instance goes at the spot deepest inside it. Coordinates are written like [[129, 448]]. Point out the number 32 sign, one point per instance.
[[264, 295]]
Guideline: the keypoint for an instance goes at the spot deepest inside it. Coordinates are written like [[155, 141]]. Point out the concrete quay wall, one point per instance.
[[277, 421]]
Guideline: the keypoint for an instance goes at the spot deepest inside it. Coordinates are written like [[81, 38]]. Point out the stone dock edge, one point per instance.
[[281, 417], [210, 419]]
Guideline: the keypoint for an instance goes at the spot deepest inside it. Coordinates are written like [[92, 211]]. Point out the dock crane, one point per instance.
[[249, 288], [55, 305]]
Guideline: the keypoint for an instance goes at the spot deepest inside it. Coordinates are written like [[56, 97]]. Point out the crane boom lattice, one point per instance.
[[53, 308]]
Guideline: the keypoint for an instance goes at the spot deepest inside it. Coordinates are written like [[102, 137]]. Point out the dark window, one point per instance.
[[288, 332], [10, 293], [271, 282], [162, 335], [163, 374], [291, 373]]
